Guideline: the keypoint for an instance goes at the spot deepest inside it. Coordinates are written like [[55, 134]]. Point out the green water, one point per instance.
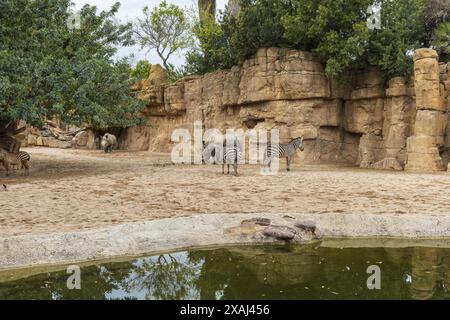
[[260, 272]]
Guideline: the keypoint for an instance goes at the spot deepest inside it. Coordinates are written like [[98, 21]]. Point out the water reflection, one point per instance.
[[274, 272]]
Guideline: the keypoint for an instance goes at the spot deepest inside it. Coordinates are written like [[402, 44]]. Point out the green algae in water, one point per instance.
[[257, 272]]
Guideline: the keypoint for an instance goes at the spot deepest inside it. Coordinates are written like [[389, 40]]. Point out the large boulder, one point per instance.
[[282, 74], [430, 123], [80, 140], [158, 76]]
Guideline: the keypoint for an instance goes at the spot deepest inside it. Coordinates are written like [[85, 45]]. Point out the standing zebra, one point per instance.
[[283, 151], [20, 159], [227, 153], [231, 156]]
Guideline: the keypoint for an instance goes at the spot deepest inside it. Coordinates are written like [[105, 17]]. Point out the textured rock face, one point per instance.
[[363, 121], [426, 149], [278, 74]]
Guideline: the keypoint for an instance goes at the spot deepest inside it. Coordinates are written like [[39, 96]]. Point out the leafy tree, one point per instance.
[[436, 13], [442, 41], [335, 30], [48, 69], [391, 47], [260, 24], [164, 29], [212, 51], [142, 70]]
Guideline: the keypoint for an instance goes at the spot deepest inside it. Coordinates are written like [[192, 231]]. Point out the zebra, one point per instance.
[[20, 159], [283, 151], [231, 156], [227, 153]]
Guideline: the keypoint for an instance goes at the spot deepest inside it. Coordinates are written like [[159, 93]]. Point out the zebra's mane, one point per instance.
[[297, 142]]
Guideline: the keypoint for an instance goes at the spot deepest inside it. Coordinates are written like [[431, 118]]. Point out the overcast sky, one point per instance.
[[129, 10]]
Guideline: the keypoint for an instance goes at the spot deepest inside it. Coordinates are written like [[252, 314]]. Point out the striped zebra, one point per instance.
[[20, 159], [283, 151], [231, 156], [227, 153]]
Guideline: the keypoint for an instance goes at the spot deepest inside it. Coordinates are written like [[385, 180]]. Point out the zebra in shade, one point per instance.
[[20, 159], [283, 151]]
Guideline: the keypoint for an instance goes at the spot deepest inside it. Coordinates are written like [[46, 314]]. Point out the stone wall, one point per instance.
[[363, 120]]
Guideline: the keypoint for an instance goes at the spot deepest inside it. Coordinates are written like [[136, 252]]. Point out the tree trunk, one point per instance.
[[206, 7]]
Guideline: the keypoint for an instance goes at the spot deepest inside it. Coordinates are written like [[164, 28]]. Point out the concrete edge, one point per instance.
[[168, 235]]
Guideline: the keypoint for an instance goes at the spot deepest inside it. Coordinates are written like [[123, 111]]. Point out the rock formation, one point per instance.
[[426, 147], [361, 120]]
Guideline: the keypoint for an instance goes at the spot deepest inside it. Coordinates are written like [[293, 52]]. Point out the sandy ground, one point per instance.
[[72, 190]]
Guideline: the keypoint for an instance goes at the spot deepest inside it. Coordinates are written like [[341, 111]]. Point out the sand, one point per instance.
[[76, 190]]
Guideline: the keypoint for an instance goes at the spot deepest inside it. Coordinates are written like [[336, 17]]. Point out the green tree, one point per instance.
[[259, 25], [402, 30], [164, 29], [338, 32], [436, 12], [142, 70], [212, 50], [335, 30], [49, 69], [442, 41]]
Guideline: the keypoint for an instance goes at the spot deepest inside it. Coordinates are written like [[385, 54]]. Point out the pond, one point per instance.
[[253, 272]]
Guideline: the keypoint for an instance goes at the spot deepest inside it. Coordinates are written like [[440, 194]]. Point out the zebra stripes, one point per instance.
[[23, 156], [20, 159], [230, 152], [283, 151], [231, 156]]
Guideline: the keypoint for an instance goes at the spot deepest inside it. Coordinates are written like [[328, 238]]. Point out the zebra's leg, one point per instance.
[[228, 166], [235, 169], [26, 167], [288, 164], [268, 163], [223, 168]]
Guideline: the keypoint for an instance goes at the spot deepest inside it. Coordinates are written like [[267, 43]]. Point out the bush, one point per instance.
[[335, 30]]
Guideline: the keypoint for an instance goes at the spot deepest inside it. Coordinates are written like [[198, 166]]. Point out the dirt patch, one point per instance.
[[73, 190]]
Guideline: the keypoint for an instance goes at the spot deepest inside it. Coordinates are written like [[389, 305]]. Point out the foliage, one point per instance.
[[48, 69], [442, 41], [436, 13], [402, 31], [212, 51], [142, 70], [337, 31], [164, 29], [206, 8], [259, 25]]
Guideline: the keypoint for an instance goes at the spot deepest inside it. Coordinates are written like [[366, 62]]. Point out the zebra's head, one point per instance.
[[298, 143]]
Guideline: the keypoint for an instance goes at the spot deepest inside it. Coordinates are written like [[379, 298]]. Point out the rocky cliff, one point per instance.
[[363, 120]]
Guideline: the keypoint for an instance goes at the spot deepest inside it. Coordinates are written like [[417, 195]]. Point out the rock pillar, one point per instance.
[[424, 147]]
